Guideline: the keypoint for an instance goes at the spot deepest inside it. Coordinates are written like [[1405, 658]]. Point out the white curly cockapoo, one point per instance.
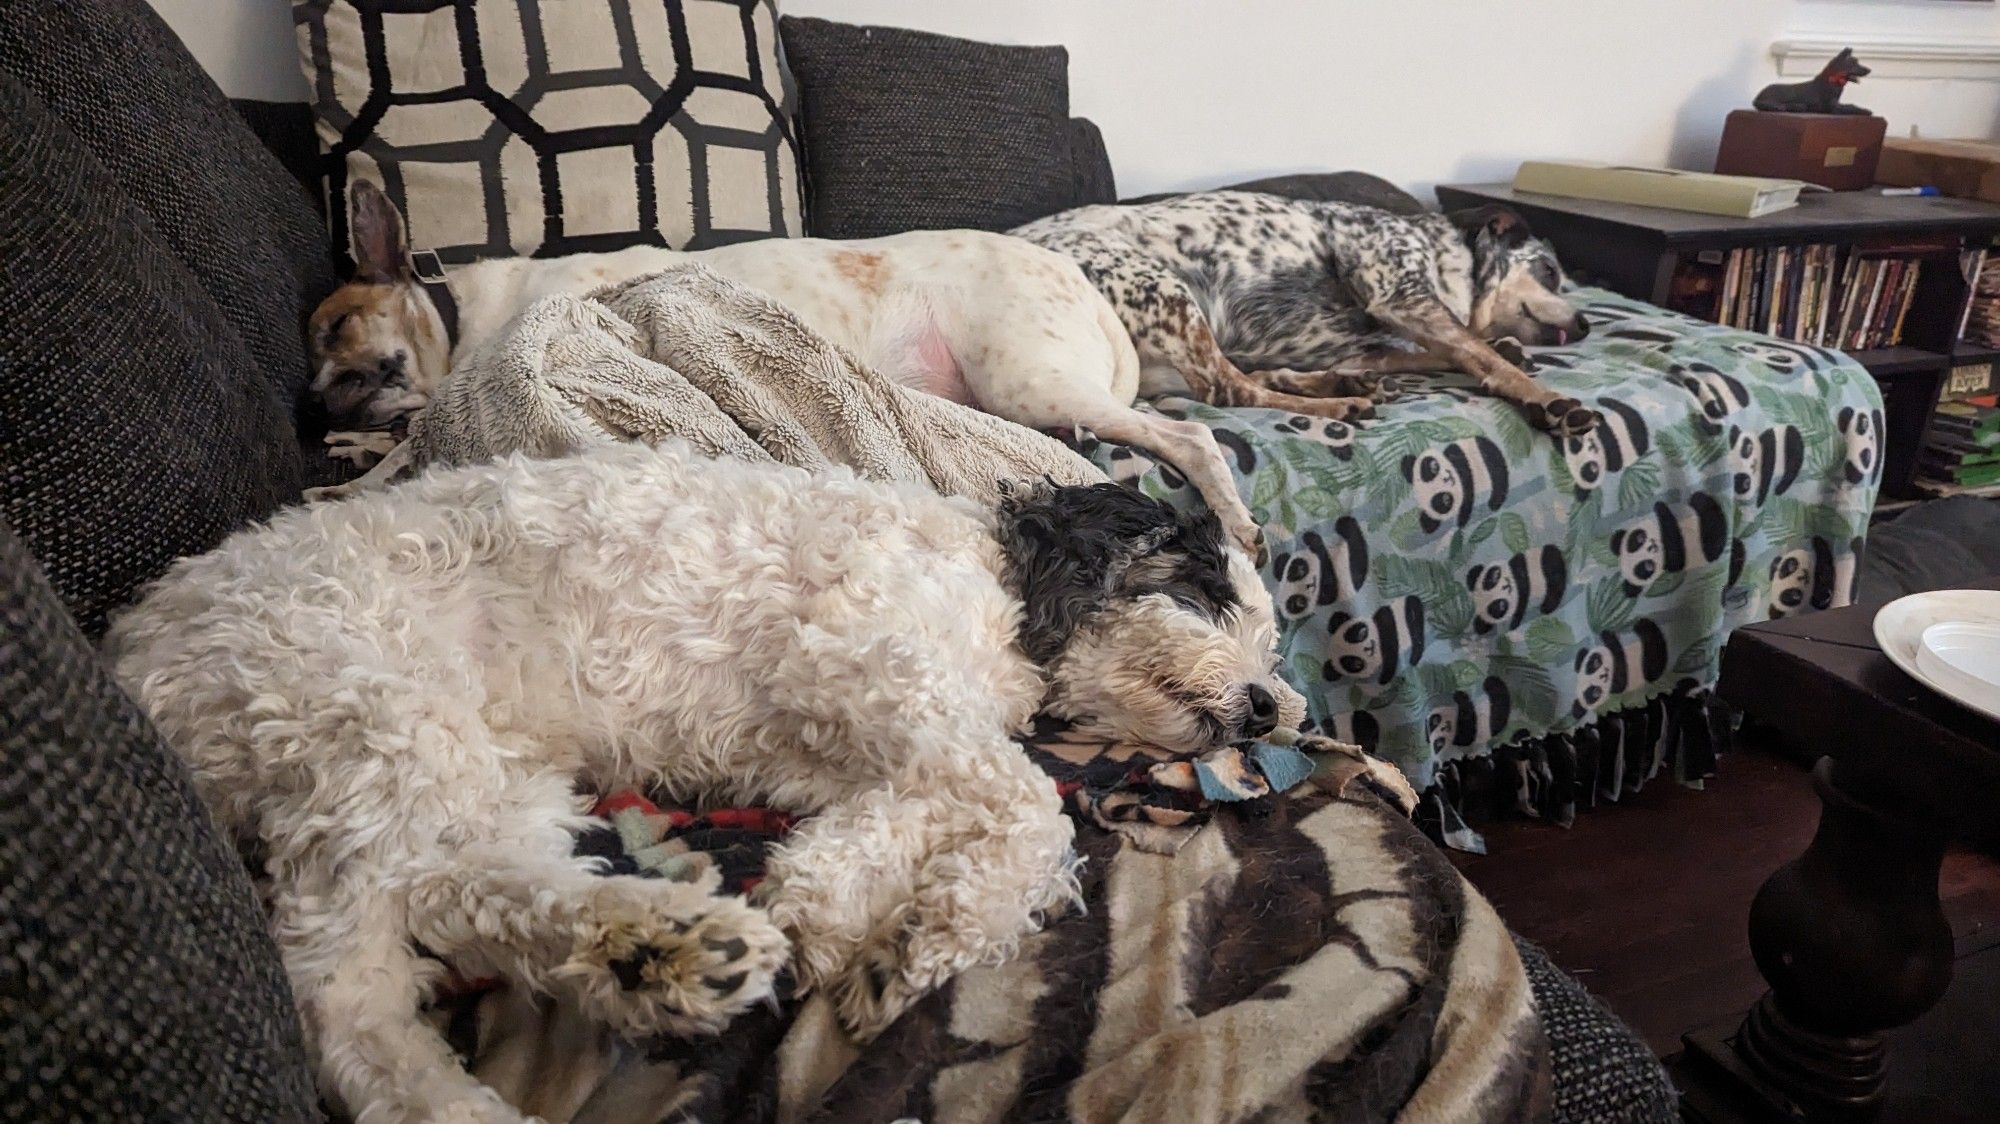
[[396, 700]]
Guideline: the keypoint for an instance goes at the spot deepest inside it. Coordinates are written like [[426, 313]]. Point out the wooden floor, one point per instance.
[[1646, 901]]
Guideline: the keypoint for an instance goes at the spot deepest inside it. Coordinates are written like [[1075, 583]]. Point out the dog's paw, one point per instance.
[[1572, 418], [870, 994], [361, 448], [685, 964], [1564, 417], [328, 494], [1510, 349], [1340, 409], [484, 1110], [1250, 540]]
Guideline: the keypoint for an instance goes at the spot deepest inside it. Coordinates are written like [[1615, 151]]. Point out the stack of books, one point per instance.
[[1821, 295], [1962, 449], [1982, 314]]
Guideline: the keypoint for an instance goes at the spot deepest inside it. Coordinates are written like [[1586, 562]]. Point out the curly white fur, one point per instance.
[[398, 698]]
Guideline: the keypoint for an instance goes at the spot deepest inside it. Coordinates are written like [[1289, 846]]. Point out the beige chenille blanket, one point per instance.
[[686, 354]]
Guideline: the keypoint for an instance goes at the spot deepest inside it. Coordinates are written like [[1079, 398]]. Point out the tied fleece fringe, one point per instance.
[[1549, 778]]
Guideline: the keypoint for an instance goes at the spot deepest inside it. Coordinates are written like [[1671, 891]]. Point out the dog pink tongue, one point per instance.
[[1562, 336]]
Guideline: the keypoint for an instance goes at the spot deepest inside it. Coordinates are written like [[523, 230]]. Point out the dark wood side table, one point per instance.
[[1637, 250], [1850, 936]]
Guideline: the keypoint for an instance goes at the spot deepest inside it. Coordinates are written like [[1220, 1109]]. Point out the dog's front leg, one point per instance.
[[892, 892], [359, 984], [361, 448], [399, 460], [644, 956], [1190, 447], [1432, 327], [1355, 376]]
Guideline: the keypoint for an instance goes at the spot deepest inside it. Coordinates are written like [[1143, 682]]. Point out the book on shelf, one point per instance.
[[1980, 476], [1744, 197], [1962, 447], [1980, 423], [1981, 321], [1857, 298]]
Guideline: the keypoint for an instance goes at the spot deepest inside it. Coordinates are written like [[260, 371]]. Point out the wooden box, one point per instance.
[[1836, 150], [1969, 169]]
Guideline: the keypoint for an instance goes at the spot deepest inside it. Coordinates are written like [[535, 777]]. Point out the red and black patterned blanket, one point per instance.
[[1289, 955]]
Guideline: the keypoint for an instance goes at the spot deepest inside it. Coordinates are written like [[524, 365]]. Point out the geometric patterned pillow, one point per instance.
[[551, 127]]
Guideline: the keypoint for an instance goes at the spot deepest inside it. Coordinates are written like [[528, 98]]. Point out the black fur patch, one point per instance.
[[1073, 550]]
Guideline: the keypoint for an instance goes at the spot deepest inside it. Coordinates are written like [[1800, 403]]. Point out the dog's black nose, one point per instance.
[[1263, 712], [1578, 328]]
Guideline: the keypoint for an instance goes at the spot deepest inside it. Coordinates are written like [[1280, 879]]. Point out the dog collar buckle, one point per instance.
[[428, 269]]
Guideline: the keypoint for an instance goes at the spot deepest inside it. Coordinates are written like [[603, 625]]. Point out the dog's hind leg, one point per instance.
[[642, 955], [1432, 327], [1000, 867], [1190, 447], [894, 891], [940, 844], [1168, 327]]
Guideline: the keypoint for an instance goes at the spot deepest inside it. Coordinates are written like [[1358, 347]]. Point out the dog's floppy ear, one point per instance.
[[1502, 224], [381, 251]]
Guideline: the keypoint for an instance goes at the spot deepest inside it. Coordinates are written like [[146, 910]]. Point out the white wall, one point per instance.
[[1193, 93]]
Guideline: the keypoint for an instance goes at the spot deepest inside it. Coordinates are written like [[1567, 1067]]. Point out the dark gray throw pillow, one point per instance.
[[907, 130]]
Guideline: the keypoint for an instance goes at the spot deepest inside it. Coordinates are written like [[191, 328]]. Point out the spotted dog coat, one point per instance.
[[1258, 300]]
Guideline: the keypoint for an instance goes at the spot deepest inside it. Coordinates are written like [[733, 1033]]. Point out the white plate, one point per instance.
[[1958, 660]]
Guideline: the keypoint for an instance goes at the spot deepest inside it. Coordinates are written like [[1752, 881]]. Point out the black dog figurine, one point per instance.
[[1821, 95]]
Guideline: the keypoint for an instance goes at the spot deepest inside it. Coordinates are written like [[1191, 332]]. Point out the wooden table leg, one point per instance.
[[1853, 942]]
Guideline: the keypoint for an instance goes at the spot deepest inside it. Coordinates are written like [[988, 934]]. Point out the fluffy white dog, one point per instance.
[[397, 699]]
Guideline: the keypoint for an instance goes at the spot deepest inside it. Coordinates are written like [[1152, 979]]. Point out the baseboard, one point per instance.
[[1961, 57]]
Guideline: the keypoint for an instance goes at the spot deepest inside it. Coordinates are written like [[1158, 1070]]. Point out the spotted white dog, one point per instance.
[[395, 700], [1248, 299]]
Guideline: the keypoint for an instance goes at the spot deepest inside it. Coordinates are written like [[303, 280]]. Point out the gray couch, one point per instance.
[[158, 261]]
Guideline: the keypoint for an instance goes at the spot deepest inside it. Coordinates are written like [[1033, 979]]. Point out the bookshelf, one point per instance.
[[1648, 253]]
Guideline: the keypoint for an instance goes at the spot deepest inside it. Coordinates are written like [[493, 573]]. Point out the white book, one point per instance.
[[1743, 197]]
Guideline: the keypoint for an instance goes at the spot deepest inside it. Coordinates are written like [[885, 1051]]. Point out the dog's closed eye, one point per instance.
[[330, 335]]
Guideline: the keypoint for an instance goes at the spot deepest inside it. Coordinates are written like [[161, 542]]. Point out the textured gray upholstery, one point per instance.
[[137, 978]]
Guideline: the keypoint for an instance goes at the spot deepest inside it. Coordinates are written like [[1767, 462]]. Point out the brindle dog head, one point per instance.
[[1516, 282], [378, 344]]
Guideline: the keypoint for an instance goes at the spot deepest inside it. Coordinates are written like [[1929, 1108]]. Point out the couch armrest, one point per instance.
[[137, 978], [1090, 164]]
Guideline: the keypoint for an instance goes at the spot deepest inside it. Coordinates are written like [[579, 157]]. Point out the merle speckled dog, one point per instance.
[[1258, 300]]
